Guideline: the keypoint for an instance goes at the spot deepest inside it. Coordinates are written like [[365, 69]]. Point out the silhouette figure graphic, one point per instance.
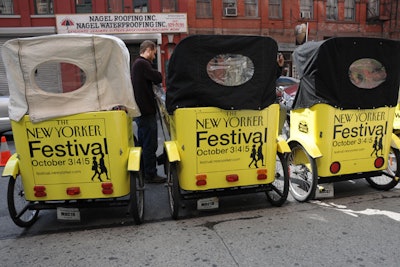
[[102, 166], [95, 168], [253, 157]]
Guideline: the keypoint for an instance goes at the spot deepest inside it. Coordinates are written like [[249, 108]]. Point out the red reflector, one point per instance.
[[261, 176], [201, 182], [107, 188], [232, 177], [72, 191], [201, 177], [40, 190], [335, 167], [379, 162], [262, 171], [106, 185], [107, 191]]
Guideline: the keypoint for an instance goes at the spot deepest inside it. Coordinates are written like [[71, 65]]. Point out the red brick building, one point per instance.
[[278, 19]]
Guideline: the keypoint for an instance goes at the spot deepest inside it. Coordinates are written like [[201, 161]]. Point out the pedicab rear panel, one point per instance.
[[84, 151], [344, 109], [222, 143]]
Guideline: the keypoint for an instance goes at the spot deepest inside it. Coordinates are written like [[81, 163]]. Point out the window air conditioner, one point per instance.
[[230, 12], [305, 14]]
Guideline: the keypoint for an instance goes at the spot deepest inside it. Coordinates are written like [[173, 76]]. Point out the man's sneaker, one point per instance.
[[155, 180]]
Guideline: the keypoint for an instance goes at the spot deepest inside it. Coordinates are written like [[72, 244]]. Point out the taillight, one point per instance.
[[40, 190], [107, 188], [201, 179], [232, 178], [262, 174], [379, 162], [73, 191], [335, 167]]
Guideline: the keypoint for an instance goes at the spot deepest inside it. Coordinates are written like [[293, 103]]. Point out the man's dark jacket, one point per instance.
[[143, 77]]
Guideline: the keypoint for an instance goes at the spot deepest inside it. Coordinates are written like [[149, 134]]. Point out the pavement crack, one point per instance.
[[211, 226]]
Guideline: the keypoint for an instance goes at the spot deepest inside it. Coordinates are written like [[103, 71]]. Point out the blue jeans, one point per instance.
[[147, 139]]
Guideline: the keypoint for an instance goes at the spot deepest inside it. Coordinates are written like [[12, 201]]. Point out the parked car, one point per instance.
[[5, 124], [284, 82]]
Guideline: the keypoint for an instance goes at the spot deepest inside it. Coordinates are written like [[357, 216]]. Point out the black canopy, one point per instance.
[[189, 83], [348, 73]]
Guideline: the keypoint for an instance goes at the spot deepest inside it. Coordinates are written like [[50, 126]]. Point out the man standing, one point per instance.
[[143, 77]]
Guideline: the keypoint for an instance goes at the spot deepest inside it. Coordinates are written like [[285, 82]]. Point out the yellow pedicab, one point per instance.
[[223, 121], [342, 118], [71, 106]]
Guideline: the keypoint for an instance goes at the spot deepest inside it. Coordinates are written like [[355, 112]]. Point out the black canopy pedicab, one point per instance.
[[342, 118], [222, 120]]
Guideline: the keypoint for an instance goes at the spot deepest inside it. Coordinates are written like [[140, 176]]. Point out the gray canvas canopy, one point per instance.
[[104, 61]]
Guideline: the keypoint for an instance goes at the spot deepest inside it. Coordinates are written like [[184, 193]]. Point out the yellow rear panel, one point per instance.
[[354, 138], [83, 150], [218, 143]]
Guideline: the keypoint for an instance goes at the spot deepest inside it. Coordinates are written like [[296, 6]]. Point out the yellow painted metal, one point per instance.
[[83, 150], [217, 143], [12, 166], [283, 146], [172, 151], [396, 120], [355, 138], [134, 158]]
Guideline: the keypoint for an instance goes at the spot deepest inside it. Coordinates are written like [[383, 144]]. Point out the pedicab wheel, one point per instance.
[[18, 206], [390, 176], [303, 177], [136, 205], [173, 189], [280, 187]]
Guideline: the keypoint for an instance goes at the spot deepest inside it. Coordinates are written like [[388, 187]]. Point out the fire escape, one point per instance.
[[385, 12]]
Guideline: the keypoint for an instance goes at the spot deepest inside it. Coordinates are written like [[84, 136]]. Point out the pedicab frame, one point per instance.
[[214, 122], [342, 119], [74, 149]]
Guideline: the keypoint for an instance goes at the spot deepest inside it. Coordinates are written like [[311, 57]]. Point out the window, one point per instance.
[[168, 5], [140, 6], [331, 9], [251, 8], [275, 9], [373, 9], [6, 7], [230, 69], [306, 9], [44, 7], [115, 6], [203, 8], [229, 8], [349, 9], [83, 6]]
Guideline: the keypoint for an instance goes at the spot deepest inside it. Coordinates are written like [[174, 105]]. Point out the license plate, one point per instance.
[[68, 214], [207, 203]]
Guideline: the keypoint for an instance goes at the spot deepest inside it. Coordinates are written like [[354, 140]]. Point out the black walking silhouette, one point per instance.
[[102, 166], [253, 156], [95, 168]]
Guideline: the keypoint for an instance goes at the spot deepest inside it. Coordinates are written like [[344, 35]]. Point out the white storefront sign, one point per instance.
[[122, 23]]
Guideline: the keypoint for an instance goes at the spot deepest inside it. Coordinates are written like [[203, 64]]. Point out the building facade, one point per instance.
[[289, 22]]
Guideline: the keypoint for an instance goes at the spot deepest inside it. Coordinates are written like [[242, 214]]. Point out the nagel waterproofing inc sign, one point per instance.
[[122, 23]]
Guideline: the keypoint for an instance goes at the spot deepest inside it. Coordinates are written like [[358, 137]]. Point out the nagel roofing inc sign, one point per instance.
[[122, 23]]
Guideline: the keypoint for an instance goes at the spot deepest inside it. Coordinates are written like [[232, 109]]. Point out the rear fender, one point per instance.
[[395, 142], [310, 147], [134, 158], [171, 148], [12, 166], [283, 146]]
